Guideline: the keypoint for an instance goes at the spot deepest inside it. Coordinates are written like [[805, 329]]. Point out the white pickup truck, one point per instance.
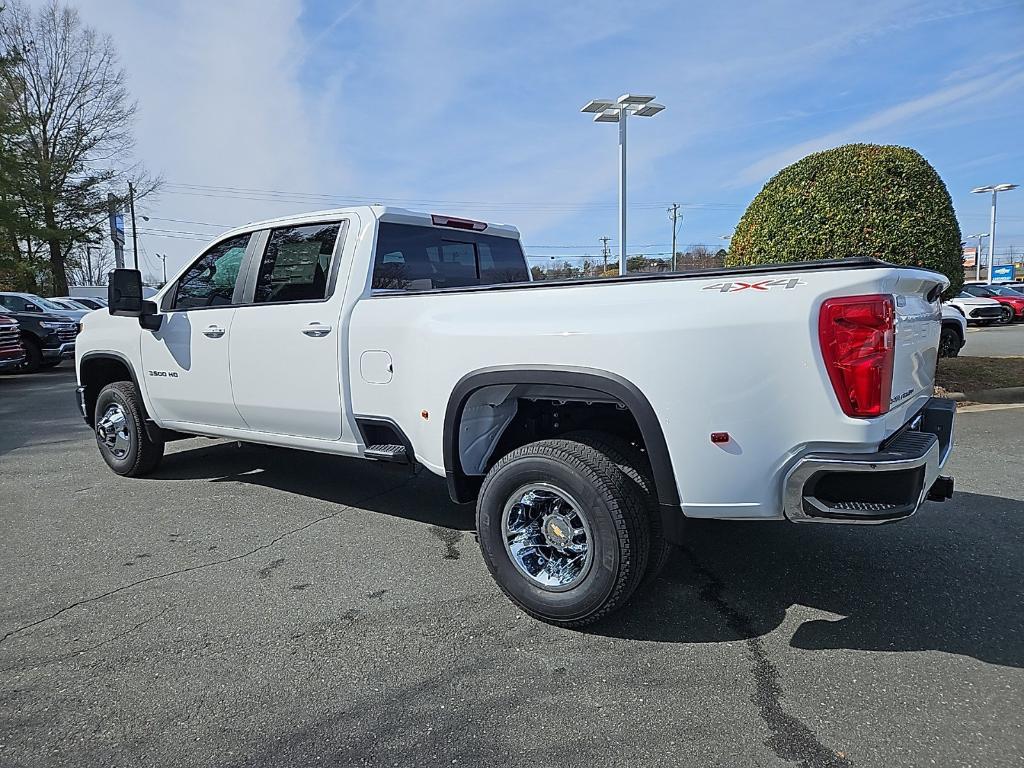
[[587, 419]]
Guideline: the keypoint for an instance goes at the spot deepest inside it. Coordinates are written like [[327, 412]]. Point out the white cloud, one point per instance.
[[872, 127]]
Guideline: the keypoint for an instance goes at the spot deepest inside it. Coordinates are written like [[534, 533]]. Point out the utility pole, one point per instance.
[[163, 258], [135, 234], [674, 210], [116, 230], [605, 252]]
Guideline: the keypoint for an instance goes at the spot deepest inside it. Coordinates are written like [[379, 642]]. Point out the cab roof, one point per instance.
[[387, 213]]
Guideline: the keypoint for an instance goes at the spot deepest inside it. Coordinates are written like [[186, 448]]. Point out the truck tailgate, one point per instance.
[[918, 323]]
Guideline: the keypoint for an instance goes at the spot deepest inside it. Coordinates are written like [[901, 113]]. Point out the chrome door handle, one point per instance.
[[214, 332], [316, 330]]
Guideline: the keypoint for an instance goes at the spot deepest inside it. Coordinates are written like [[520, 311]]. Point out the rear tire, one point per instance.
[[635, 465], [538, 507], [121, 434], [1007, 317]]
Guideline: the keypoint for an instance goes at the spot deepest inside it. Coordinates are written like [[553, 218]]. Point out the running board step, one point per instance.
[[395, 453]]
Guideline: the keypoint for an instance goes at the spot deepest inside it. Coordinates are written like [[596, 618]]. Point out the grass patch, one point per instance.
[[972, 374]]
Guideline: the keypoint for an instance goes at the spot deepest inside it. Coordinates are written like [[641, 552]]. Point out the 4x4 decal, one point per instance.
[[761, 285]]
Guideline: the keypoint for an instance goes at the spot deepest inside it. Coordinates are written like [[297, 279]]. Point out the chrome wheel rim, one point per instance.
[[547, 536], [112, 431]]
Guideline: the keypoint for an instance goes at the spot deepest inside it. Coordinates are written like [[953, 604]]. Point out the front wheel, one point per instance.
[[1007, 315], [949, 343], [563, 531], [33, 356], [121, 432]]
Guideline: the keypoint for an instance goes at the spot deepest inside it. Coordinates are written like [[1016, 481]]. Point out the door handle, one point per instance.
[[214, 332], [316, 330]]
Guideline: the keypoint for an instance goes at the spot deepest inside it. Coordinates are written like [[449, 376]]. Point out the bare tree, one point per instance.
[[70, 96], [89, 264]]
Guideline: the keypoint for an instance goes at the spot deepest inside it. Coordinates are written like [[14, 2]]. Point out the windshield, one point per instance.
[[46, 302]]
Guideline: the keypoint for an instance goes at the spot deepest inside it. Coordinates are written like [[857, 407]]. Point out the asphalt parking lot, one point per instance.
[[994, 341], [250, 607]]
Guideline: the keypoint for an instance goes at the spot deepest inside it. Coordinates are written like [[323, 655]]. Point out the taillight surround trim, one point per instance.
[[856, 335]]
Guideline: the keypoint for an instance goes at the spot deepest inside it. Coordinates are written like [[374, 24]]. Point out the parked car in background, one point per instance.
[[954, 332], [69, 304], [977, 309], [1012, 303], [86, 302], [47, 338], [12, 351], [29, 302]]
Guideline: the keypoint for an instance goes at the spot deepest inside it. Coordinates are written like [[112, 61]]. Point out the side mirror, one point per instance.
[[124, 293], [124, 298]]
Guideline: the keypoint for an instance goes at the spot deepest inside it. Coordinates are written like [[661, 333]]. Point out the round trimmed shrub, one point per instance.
[[856, 200]]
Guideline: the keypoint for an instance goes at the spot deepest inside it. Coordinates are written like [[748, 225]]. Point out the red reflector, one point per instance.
[[719, 437], [451, 221], [857, 334]]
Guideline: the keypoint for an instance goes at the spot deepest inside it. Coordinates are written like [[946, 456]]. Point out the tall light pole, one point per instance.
[[608, 111], [977, 256], [995, 189]]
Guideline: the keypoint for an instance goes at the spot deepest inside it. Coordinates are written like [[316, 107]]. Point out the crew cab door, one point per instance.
[[285, 339], [186, 360]]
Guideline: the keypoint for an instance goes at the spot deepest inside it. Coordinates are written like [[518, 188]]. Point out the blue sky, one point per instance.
[[472, 108]]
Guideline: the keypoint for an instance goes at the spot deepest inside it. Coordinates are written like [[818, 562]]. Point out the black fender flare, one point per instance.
[[154, 430], [462, 487]]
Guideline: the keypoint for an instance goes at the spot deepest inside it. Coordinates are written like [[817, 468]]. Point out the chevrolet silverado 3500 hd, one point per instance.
[[587, 419]]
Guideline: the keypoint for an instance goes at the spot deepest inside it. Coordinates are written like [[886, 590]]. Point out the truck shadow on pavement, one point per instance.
[[949, 579], [333, 479]]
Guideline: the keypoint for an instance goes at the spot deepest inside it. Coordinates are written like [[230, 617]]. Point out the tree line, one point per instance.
[[66, 143]]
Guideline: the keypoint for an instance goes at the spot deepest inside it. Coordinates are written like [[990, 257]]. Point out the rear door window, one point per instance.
[[414, 258], [296, 264]]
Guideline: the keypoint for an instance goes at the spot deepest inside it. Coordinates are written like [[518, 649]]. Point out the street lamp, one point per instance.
[[977, 256], [995, 189], [617, 112]]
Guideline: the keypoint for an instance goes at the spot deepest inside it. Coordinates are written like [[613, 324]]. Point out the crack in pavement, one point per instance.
[[791, 739], [201, 566], [91, 648]]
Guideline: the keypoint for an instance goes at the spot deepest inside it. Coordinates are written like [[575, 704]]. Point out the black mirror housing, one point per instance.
[[124, 293], [124, 298]]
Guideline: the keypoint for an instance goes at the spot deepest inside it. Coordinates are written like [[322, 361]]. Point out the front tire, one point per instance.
[[1007, 317], [33, 356], [563, 531], [949, 343], [121, 434]]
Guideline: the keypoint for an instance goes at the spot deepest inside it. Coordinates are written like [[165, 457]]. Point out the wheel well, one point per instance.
[[491, 413], [95, 373], [956, 327]]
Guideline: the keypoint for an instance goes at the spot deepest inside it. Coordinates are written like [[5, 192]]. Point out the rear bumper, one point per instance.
[[889, 484]]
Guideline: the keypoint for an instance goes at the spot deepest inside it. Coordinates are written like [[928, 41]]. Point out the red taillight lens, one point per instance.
[[856, 334]]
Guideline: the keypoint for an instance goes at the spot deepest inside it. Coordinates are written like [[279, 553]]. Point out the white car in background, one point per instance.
[[86, 302], [977, 309]]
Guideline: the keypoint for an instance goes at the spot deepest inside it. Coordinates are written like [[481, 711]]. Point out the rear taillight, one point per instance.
[[856, 334]]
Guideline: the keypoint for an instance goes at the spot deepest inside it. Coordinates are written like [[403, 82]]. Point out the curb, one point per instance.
[[1004, 395]]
